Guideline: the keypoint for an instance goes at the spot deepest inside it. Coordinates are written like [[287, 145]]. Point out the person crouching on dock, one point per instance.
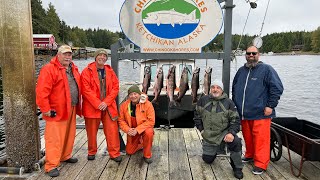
[[100, 87], [137, 118], [217, 119]]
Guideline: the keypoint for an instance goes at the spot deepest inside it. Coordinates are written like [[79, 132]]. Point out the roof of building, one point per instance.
[[42, 35]]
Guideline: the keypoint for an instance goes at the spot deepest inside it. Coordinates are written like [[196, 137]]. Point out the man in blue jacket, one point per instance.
[[256, 91]]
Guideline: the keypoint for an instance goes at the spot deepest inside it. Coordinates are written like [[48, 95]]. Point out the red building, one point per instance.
[[44, 41]]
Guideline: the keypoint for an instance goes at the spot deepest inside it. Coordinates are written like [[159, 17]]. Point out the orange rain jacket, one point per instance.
[[145, 116], [52, 90], [90, 83]]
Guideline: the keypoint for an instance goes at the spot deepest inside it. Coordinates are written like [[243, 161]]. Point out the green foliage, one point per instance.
[[316, 40], [53, 22], [38, 18]]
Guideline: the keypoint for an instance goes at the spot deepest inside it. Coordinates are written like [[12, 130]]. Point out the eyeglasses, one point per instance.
[[253, 53]]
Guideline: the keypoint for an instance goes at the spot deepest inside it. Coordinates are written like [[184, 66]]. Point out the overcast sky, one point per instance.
[[282, 15]]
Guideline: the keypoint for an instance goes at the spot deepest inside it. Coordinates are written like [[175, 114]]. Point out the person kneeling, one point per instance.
[[137, 119], [216, 118]]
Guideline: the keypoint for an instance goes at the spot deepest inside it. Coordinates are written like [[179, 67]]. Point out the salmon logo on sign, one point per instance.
[[171, 26]]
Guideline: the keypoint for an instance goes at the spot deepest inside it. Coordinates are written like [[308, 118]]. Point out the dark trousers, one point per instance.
[[235, 148]]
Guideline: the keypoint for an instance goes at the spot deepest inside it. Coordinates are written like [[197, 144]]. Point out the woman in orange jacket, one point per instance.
[[58, 97], [100, 87], [137, 119]]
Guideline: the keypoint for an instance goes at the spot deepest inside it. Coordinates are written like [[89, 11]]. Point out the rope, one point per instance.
[[244, 27], [264, 18]]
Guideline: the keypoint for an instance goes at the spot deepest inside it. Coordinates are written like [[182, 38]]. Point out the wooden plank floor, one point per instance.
[[176, 155]]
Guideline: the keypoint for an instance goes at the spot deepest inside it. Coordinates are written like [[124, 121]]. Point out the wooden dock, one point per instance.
[[176, 156]]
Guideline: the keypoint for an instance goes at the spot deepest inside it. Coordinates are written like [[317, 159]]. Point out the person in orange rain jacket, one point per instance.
[[100, 87], [137, 119], [58, 97]]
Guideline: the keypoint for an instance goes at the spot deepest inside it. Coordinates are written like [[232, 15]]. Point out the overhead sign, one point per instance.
[[171, 26]]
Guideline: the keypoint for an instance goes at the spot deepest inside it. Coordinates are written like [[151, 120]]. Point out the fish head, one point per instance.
[[196, 70], [172, 69], [147, 69], [185, 70], [208, 70]]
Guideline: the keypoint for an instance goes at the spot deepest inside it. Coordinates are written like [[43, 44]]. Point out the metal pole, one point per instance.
[[227, 45], [115, 61], [18, 72]]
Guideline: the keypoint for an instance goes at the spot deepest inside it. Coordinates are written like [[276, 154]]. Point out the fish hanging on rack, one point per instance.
[[171, 85], [207, 81], [146, 79], [184, 86], [158, 85], [195, 84]]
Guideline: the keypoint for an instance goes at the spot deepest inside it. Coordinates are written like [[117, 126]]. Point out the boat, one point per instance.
[[175, 116]]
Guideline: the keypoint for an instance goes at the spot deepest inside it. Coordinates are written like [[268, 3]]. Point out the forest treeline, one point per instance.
[[47, 21]]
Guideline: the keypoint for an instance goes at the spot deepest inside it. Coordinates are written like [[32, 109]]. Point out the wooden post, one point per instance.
[[18, 72]]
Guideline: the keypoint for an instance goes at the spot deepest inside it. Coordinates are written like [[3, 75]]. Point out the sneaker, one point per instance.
[[147, 160], [117, 159], [91, 157], [246, 160], [237, 172], [54, 172], [257, 171], [71, 160]]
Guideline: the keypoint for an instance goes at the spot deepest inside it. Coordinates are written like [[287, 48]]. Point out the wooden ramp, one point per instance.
[[176, 156]]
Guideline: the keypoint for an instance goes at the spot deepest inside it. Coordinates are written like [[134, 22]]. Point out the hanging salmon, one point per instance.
[[158, 85], [171, 85], [184, 86], [146, 79], [207, 81], [195, 84]]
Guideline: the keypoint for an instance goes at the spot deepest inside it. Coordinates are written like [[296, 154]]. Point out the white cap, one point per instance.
[[218, 83]]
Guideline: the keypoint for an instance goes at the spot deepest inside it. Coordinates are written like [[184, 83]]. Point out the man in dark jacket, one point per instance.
[[218, 121], [256, 91]]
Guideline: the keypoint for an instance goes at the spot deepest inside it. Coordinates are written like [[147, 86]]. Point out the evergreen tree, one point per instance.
[[307, 41], [316, 40], [38, 18], [53, 22]]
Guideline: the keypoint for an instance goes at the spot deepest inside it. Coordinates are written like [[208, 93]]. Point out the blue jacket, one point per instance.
[[255, 88]]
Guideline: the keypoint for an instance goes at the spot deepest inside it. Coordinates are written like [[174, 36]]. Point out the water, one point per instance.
[[299, 74]]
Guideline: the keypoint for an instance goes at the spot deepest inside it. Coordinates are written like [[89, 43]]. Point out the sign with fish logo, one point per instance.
[[171, 26]]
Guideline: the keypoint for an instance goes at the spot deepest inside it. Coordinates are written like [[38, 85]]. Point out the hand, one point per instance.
[[102, 106], [132, 132], [47, 113], [228, 138], [267, 111]]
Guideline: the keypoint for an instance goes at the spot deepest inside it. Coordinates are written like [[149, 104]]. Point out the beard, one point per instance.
[[251, 62], [215, 94]]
